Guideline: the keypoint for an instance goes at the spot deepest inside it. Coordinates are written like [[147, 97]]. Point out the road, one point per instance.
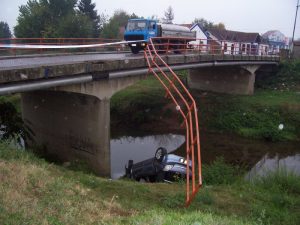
[[38, 61]]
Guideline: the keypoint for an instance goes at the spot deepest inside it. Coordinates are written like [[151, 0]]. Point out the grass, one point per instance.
[[257, 116], [33, 191], [139, 101]]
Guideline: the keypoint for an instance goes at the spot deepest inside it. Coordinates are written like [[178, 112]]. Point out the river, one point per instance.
[[256, 156]]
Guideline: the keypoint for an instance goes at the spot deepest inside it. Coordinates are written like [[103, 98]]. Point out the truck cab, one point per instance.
[[140, 30]]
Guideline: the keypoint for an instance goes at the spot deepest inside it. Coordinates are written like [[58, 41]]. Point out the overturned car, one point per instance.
[[162, 167]]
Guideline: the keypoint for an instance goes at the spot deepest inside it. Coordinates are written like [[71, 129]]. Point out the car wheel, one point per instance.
[[160, 154], [128, 169]]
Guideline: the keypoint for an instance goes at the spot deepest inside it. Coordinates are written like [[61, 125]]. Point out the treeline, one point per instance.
[[58, 18], [75, 19], [67, 18]]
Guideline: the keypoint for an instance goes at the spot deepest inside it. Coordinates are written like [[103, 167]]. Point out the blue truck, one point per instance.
[[141, 30]]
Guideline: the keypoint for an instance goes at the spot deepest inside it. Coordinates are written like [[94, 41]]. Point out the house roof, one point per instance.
[[234, 36], [197, 24], [270, 32], [296, 43]]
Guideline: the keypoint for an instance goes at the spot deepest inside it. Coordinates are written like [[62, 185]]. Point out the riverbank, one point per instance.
[[33, 191], [271, 114]]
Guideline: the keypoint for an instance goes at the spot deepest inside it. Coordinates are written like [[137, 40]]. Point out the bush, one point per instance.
[[218, 173], [287, 77]]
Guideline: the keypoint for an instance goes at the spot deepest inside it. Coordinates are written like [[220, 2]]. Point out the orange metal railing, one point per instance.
[[186, 105], [207, 46]]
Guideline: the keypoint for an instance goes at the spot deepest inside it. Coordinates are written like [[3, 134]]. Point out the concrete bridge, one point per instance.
[[66, 98]]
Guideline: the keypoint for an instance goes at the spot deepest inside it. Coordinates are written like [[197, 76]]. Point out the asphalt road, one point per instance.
[[38, 61]]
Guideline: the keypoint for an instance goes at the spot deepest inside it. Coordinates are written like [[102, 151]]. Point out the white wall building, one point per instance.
[[201, 42]]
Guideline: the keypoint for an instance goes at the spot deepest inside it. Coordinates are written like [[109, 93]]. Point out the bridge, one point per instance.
[[66, 95]]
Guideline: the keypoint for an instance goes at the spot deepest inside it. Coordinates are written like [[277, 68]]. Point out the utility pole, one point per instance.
[[295, 26]]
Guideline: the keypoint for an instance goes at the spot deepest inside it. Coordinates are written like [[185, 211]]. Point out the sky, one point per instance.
[[239, 15]]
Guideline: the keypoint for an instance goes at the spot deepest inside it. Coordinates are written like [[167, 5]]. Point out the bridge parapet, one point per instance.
[[35, 68]]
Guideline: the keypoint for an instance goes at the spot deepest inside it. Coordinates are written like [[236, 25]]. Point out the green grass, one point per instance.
[[287, 77], [13, 99], [33, 191], [139, 101], [257, 116]]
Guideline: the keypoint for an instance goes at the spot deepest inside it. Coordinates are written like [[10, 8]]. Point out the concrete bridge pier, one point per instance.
[[224, 79], [73, 122]]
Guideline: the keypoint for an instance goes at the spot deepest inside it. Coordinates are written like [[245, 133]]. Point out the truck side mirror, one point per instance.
[[153, 26]]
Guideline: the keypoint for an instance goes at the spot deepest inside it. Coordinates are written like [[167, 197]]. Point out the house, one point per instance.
[[201, 42], [296, 49], [217, 40], [236, 42], [276, 40]]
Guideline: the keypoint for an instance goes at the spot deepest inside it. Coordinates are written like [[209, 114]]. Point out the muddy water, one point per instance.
[[256, 156]]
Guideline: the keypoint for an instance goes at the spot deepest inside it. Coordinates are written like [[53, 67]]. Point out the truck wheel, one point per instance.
[[135, 50], [160, 154]]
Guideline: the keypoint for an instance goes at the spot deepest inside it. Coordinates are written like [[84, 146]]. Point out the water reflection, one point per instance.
[[270, 164], [139, 149], [257, 156]]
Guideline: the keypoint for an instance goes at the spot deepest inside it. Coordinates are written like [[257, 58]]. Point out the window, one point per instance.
[[136, 25], [151, 24], [243, 47], [248, 48]]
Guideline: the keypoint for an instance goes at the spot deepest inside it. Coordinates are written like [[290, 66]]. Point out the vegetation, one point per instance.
[[11, 123], [112, 28], [258, 116], [142, 101], [205, 24], [87, 8], [4, 30], [169, 16], [75, 19], [32, 191], [57, 18], [287, 78]]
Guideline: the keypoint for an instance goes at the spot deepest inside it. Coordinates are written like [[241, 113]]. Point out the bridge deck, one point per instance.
[[16, 69]]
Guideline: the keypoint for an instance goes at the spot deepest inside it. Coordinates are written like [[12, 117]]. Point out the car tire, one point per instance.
[[128, 169], [160, 154]]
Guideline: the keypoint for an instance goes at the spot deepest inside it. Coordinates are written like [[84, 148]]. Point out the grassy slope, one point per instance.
[[256, 116], [33, 191]]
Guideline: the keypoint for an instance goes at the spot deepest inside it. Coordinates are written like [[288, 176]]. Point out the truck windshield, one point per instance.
[[136, 25]]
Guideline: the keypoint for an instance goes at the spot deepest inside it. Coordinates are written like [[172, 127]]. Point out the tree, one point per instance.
[[51, 18], [87, 8], [4, 30], [205, 24], [31, 20], [76, 26], [117, 21], [169, 15]]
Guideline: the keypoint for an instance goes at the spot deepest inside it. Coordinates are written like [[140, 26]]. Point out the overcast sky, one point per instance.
[[240, 15]]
